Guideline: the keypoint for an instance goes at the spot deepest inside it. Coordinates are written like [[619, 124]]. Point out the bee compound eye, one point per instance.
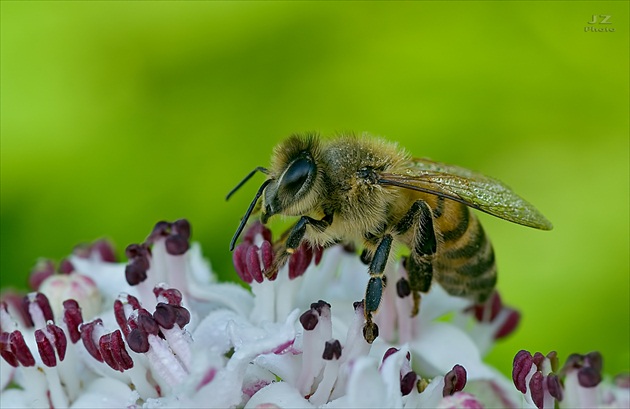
[[297, 174]]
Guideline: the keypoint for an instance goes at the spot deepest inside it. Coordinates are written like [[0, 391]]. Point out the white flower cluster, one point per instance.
[[179, 338]]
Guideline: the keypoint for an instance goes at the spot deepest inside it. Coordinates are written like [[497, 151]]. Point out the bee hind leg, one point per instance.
[[423, 246], [374, 290]]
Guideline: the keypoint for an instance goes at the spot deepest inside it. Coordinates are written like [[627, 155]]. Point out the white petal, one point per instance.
[[199, 268], [495, 393], [437, 302], [106, 393], [211, 333], [285, 366], [6, 374], [390, 372], [366, 388], [441, 345], [229, 295], [280, 394], [109, 277], [430, 397], [17, 398]]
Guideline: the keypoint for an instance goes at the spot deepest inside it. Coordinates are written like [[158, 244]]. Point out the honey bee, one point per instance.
[[369, 191]]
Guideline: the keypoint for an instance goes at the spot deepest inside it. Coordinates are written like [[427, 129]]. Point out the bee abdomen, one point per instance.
[[465, 262]]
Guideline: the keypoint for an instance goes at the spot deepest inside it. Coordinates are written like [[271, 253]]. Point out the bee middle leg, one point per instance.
[[423, 246]]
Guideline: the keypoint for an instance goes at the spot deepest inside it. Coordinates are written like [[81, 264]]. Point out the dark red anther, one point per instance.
[[146, 322], [105, 350], [138, 265], [319, 306], [309, 320], [554, 386], [454, 380], [114, 353], [403, 289], [488, 311], [318, 253], [105, 250], [509, 325], [300, 260], [552, 356], [136, 271], [521, 366], [594, 360], [42, 302], [308, 255], [332, 350], [66, 267], [20, 349], [134, 302], [252, 261], [589, 377], [164, 315], [408, 382], [59, 340], [389, 352], [255, 229], [138, 340], [239, 256], [121, 318], [42, 270], [172, 295], [176, 245], [266, 255], [119, 352], [87, 336], [134, 251], [539, 358], [5, 350], [573, 361], [495, 304], [19, 307], [45, 348], [182, 227], [161, 229], [73, 318], [182, 316], [537, 390]]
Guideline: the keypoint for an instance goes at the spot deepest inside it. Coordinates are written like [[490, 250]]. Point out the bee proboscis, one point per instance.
[[362, 189]]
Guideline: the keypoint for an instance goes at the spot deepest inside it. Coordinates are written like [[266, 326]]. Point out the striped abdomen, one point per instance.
[[464, 263]]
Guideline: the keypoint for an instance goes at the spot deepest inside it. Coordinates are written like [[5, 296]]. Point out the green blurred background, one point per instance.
[[118, 114]]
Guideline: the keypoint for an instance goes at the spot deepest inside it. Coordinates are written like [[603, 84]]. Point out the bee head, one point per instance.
[[296, 183]]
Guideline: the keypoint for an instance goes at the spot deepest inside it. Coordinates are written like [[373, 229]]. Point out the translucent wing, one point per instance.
[[470, 188]]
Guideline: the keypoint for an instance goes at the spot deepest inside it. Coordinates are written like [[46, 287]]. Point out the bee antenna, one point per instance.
[[249, 209], [242, 182]]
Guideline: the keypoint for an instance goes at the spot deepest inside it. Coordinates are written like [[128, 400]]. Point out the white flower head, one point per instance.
[[161, 331]]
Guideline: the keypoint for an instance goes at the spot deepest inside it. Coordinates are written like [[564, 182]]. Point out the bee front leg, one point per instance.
[[292, 239], [374, 290], [423, 246], [299, 230]]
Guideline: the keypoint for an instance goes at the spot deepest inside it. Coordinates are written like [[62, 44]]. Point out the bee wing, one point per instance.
[[468, 187]]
